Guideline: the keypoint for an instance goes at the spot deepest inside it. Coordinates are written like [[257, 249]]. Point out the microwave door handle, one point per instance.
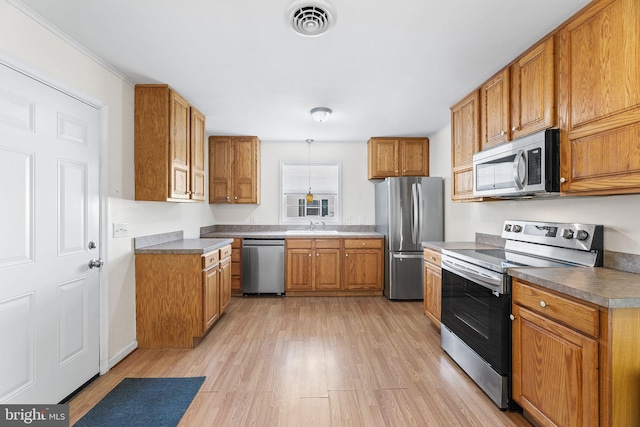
[[520, 159]]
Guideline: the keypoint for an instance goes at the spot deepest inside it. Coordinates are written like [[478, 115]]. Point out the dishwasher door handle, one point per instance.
[[262, 242]]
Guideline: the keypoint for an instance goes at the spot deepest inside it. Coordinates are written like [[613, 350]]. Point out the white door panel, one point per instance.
[[49, 298]]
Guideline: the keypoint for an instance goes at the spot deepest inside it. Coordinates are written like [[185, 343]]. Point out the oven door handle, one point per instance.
[[490, 282]]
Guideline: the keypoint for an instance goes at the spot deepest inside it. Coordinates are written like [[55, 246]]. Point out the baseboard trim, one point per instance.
[[117, 358]]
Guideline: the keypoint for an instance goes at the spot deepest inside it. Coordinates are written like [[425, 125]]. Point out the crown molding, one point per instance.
[[69, 40]]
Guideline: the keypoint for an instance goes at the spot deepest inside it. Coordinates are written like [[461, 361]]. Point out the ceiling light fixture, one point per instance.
[[320, 114], [309, 194]]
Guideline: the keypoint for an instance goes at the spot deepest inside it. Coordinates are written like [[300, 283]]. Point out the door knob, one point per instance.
[[96, 263]]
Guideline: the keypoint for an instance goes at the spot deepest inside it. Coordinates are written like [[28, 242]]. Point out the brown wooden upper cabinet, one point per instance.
[[465, 140], [599, 99], [519, 100], [389, 157], [169, 146], [533, 105], [234, 169], [494, 110]]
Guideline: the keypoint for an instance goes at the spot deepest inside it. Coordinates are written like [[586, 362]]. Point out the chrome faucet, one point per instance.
[[323, 224], [310, 225]]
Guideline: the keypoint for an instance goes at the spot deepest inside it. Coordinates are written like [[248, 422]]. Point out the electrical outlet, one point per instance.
[[361, 220], [120, 229]]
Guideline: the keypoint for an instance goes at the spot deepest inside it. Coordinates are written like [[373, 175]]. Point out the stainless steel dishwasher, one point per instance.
[[263, 266]]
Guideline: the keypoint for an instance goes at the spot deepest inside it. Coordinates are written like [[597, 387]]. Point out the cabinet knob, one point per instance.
[[317, 254], [228, 198], [363, 244], [543, 304], [502, 133], [309, 254], [236, 197], [563, 179], [513, 129], [512, 317], [346, 254]]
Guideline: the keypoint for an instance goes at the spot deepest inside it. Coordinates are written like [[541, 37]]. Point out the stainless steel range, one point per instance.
[[476, 294]]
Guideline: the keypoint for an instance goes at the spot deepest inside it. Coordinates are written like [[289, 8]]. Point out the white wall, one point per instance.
[[357, 191], [618, 214], [25, 42]]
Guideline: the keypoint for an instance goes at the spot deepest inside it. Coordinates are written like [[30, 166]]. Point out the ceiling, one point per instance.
[[387, 68]]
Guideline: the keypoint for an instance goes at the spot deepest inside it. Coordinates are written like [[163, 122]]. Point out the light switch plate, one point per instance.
[[120, 229]]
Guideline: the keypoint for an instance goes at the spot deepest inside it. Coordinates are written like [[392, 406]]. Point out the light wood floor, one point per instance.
[[316, 361]]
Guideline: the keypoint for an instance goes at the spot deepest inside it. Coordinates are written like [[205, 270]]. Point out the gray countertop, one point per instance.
[[281, 234], [185, 246], [602, 286], [605, 287], [439, 246]]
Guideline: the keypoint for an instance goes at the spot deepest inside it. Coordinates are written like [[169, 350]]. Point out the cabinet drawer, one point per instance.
[[209, 259], [225, 252], [299, 243], [433, 257], [580, 316], [327, 243], [362, 243]]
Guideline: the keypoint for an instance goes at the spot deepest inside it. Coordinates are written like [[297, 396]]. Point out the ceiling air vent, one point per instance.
[[311, 18]]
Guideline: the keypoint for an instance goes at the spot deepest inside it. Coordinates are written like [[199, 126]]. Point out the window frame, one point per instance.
[[284, 220]]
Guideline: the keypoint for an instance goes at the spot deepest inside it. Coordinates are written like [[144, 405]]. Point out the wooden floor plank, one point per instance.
[[325, 361]]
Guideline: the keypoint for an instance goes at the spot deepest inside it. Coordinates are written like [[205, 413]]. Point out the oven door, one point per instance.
[[479, 316]]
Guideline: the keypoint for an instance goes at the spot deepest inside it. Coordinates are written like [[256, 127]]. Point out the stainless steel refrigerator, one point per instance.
[[409, 211]]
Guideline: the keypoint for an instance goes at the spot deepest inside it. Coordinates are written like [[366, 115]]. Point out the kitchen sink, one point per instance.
[[311, 232]]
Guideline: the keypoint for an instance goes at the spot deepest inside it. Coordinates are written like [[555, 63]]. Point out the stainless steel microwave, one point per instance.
[[528, 166]]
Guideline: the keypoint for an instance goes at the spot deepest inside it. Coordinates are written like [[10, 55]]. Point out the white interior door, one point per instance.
[[49, 187]]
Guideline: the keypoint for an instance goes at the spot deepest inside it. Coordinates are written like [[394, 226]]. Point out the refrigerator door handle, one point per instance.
[[414, 214], [420, 211], [403, 256]]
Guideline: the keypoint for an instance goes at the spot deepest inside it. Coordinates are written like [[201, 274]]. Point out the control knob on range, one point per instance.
[[567, 233], [507, 227], [517, 228], [582, 235]]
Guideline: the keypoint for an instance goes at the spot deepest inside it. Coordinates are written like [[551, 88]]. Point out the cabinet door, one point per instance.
[[599, 100], [179, 147], [555, 371], [495, 110], [245, 170], [299, 269], [414, 157], [220, 162], [327, 269], [211, 294], [197, 155], [225, 284], [236, 266], [533, 91], [432, 294], [465, 141], [383, 158], [363, 269]]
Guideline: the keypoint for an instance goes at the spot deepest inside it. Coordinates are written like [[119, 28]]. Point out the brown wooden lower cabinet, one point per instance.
[[574, 363], [179, 297], [432, 286], [333, 266], [236, 267]]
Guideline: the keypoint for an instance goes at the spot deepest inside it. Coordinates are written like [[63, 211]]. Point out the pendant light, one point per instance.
[[309, 195]]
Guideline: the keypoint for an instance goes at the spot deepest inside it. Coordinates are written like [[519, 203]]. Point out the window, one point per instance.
[[324, 180]]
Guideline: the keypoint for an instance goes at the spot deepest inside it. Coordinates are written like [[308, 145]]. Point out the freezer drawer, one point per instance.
[[404, 276]]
